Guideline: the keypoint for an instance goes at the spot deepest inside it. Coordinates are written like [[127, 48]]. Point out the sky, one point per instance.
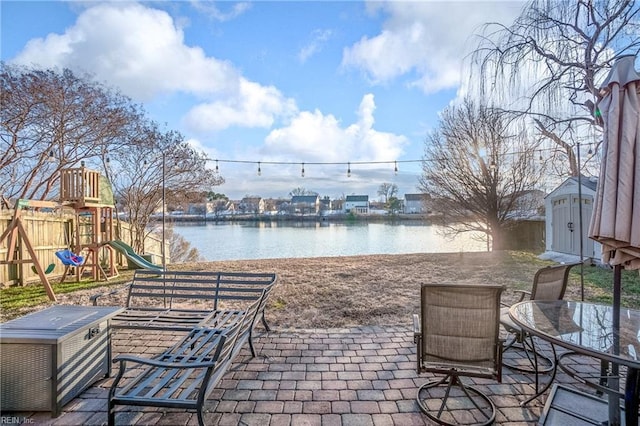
[[331, 84]]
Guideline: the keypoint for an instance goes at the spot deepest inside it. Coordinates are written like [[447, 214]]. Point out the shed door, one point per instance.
[[566, 224], [561, 218], [587, 208]]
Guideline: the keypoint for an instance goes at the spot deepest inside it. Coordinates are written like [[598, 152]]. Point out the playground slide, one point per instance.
[[135, 258]]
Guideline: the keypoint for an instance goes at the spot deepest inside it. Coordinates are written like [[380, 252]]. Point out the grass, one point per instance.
[[599, 283], [17, 297], [356, 290]]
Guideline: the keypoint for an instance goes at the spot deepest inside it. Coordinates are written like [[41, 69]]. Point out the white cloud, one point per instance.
[[142, 52], [135, 48], [252, 106], [313, 136], [320, 37], [424, 40], [212, 10]]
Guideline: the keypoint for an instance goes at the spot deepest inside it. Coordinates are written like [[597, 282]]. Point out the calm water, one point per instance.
[[239, 241]]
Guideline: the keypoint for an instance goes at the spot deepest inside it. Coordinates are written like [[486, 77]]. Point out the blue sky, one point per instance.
[[289, 81]]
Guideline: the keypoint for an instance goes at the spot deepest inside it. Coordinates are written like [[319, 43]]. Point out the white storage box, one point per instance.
[[49, 357]]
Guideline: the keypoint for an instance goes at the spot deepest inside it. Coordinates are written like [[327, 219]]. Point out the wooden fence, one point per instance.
[[50, 232]]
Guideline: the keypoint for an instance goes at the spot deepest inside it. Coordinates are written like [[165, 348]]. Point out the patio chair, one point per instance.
[[457, 335], [549, 283]]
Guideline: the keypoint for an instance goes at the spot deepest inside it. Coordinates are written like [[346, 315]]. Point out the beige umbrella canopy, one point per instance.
[[616, 217], [615, 222]]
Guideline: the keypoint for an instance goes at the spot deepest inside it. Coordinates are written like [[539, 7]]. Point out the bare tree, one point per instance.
[[52, 121], [180, 250], [548, 65], [159, 166], [301, 191], [477, 172], [388, 190]]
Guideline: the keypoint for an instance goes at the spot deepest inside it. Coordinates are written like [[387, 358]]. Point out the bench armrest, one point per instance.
[[416, 325], [94, 298], [123, 359]]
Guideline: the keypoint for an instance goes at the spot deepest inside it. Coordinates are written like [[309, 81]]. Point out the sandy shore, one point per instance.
[[363, 290]]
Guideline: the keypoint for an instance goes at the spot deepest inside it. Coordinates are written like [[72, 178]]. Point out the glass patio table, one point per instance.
[[587, 329]]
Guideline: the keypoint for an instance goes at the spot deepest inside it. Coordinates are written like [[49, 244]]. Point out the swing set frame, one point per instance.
[[15, 229]]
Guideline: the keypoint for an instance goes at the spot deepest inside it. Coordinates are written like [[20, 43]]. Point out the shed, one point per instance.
[[562, 218]]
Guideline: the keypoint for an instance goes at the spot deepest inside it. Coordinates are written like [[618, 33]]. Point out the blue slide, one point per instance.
[[135, 258]]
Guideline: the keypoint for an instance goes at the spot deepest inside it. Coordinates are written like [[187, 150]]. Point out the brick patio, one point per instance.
[[360, 376]]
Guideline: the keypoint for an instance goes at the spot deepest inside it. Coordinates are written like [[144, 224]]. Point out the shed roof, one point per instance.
[[590, 183]]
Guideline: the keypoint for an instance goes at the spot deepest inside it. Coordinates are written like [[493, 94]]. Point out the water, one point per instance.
[[265, 240]]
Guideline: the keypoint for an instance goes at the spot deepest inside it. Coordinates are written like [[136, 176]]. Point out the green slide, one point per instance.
[[135, 258]]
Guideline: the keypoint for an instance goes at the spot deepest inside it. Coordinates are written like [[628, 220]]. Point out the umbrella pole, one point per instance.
[[614, 381], [617, 284]]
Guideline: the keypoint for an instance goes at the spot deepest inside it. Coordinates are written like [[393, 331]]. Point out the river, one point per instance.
[[265, 240]]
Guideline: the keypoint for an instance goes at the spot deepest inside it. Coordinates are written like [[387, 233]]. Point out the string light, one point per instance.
[[590, 150], [394, 162]]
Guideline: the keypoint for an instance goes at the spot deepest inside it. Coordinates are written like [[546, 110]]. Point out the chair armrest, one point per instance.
[[94, 298], [523, 294], [123, 359]]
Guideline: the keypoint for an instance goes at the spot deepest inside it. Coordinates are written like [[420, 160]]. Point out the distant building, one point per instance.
[[253, 205], [305, 204], [337, 205], [325, 204], [416, 203], [358, 204], [529, 205], [218, 208]]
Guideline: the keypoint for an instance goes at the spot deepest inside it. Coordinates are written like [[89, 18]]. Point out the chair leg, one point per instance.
[[478, 399], [551, 379], [264, 323], [111, 414], [200, 416], [538, 363]]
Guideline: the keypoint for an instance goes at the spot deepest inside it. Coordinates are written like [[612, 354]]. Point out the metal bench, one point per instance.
[[182, 300], [185, 374]]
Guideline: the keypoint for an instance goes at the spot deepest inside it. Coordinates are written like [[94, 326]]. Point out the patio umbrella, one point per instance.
[[615, 222], [616, 217]]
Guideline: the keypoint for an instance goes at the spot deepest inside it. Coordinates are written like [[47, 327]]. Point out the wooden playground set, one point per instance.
[[87, 245]]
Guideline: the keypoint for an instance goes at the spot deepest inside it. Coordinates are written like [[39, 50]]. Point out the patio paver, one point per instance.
[[349, 377]]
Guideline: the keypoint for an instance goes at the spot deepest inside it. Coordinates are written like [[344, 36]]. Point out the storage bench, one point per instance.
[[49, 357]]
